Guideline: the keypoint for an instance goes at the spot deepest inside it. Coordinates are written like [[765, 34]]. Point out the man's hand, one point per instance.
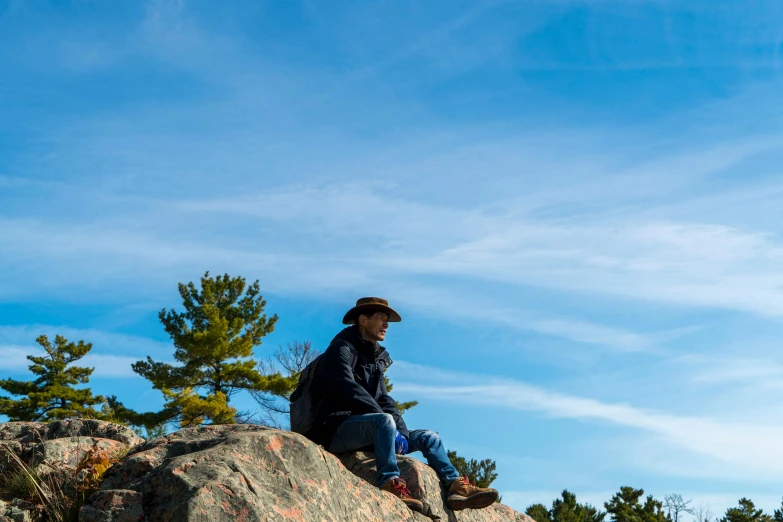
[[400, 444]]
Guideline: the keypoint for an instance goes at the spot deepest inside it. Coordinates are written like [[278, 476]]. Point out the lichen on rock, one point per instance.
[[250, 473], [236, 473]]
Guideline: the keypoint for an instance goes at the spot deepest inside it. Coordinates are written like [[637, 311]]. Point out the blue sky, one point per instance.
[[575, 206]]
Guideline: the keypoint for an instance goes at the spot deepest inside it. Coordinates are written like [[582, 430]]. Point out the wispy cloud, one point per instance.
[[117, 257], [686, 263], [107, 343], [465, 306], [417, 153], [752, 446], [15, 357], [106, 366]]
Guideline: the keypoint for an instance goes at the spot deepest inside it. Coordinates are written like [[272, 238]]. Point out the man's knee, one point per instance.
[[385, 419], [429, 438]]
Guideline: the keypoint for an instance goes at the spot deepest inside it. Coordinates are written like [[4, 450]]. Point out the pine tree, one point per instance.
[[481, 473], [625, 507], [778, 515], [568, 510], [746, 512], [52, 395], [565, 509], [539, 513], [214, 339]]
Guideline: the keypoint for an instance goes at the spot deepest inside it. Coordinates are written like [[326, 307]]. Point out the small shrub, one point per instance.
[[90, 471]]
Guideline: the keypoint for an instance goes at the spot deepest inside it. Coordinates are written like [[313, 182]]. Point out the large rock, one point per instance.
[[56, 447], [69, 452], [251, 473], [26, 432], [423, 483], [92, 428], [18, 511]]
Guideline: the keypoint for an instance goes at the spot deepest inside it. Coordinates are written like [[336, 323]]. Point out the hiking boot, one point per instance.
[[399, 489], [464, 495]]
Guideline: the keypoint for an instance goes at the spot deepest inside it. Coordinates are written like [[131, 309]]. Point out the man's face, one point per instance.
[[375, 326]]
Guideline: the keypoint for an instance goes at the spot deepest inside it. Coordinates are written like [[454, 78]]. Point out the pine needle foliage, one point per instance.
[[52, 394], [565, 509], [625, 506], [746, 512], [214, 338], [539, 513], [479, 472]]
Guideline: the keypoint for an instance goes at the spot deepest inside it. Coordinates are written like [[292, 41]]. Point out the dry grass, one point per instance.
[[61, 493], [20, 483]]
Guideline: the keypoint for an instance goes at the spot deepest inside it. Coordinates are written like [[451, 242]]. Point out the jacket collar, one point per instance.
[[372, 350]]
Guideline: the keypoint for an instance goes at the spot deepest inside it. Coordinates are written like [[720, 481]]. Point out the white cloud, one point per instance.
[[102, 341], [15, 357], [107, 366], [731, 370], [752, 445], [468, 307], [690, 264], [17, 342], [694, 264]]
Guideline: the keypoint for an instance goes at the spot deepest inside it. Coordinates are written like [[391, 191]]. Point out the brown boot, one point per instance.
[[464, 495], [399, 489]]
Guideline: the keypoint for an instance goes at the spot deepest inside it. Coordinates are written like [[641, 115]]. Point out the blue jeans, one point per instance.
[[378, 430]]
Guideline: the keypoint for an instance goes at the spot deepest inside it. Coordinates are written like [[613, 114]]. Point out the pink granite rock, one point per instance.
[[251, 473]]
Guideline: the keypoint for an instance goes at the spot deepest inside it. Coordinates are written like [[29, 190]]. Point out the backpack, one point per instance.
[[303, 407]]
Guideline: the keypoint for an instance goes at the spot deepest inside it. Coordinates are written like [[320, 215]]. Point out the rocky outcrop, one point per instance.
[[424, 485], [251, 473], [55, 448], [35, 432], [223, 473]]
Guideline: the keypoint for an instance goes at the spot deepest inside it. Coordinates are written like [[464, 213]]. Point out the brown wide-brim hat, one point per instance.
[[376, 304]]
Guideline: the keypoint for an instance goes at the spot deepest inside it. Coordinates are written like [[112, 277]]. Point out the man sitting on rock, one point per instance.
[[356, 411]]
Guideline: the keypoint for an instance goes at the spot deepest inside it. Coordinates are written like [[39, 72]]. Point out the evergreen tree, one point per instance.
[[566, 509], [481, 473], [153, 422], [625, 507], [778, 515], [539, 513], [746, 512], [52, 395], [214, 339]]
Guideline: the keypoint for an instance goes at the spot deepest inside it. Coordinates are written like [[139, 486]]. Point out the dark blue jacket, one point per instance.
[[349, 381]]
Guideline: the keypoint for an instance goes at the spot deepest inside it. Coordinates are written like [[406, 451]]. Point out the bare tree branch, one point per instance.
[[674, 505], [295, 356]]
